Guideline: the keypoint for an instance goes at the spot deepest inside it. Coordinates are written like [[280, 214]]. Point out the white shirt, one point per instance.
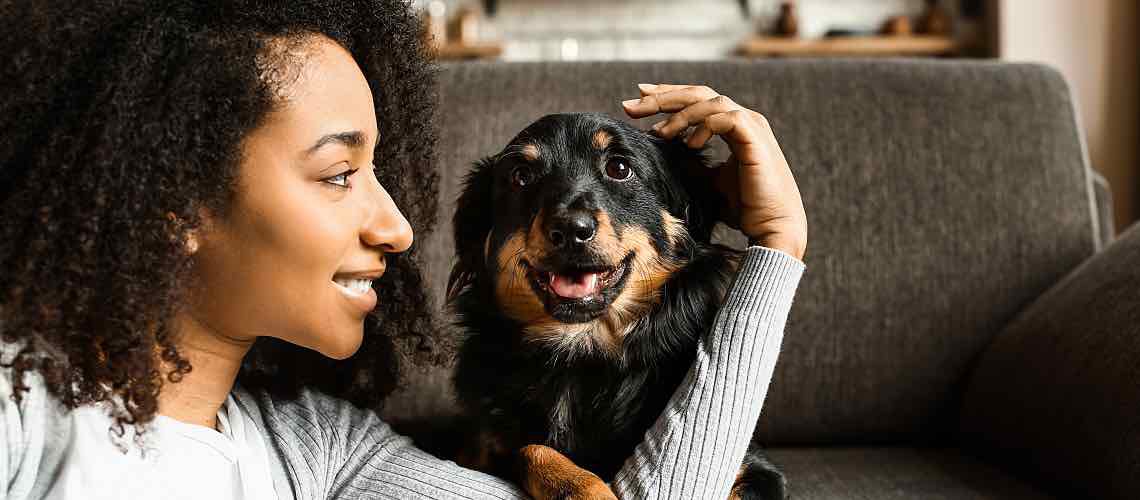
[[176, 460]]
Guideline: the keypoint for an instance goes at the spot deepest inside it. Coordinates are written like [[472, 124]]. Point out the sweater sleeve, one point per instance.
[[695, 448], [324, 447], [35, 434], [331, 450]]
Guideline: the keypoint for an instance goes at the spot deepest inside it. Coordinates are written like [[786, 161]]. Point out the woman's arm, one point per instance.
[[324, 447], [695, 448]]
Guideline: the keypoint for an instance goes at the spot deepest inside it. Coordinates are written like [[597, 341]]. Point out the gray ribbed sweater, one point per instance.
[[321, 447]]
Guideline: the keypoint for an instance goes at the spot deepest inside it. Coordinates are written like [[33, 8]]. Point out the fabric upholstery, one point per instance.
[[942, 198], [895, 474], [1107, 224], [1058, 392]]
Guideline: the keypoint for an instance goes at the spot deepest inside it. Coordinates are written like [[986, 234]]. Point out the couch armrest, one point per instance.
[[1102, 193], [1057, 394]]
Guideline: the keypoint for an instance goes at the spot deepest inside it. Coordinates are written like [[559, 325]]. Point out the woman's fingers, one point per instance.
[[694, 115], [739, 128], [670, 100], [658, 88], [699, 137]]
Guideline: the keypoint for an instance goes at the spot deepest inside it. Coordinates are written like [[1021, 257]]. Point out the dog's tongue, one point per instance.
[[575, 286]]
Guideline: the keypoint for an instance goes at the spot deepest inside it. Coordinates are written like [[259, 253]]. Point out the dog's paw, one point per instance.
[[550, 475], [578, 487], [587, 489], [759, 479]]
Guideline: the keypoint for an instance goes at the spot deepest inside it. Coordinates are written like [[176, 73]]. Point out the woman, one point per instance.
[[205, 272]]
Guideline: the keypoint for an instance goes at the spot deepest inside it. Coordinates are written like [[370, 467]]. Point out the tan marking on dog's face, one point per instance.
[[648, 272], [530, 152], [602, 139], [606, 240], [512, 290]]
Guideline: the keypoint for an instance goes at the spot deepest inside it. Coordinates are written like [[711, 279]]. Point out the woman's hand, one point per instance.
[[764, 201]]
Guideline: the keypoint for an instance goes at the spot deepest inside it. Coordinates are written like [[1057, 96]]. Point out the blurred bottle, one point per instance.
[[935, 21], [467, 26], [788, 24], [898, 26]]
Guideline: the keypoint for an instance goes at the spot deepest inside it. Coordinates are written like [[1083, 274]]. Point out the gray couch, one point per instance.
[[960, 333]]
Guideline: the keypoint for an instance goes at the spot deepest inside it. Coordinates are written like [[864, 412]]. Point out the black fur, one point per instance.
[[594, 408]]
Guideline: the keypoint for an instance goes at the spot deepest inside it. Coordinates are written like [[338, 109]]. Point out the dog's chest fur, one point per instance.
[[593, 409]]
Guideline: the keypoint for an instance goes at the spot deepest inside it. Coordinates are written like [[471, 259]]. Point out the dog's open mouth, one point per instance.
[[578, 284], [578, 293]]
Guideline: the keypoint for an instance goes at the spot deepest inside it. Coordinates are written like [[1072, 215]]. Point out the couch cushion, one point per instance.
[[895, 473], [1057, 394], [941, 198]]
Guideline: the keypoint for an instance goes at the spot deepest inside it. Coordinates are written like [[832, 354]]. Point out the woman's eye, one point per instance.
[[340, 179], [521, 177], [617, 169]]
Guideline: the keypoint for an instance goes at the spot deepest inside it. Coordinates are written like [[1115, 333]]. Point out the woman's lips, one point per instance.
[[359, 293]]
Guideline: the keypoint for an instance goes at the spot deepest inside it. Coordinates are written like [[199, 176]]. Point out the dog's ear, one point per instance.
[[692, 196], [471, 225]]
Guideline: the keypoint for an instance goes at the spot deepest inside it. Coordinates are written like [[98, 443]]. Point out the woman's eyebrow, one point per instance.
[[352, 139]]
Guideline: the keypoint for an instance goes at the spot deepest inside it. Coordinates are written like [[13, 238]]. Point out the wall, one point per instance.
[[666, 29], [1094, 44]]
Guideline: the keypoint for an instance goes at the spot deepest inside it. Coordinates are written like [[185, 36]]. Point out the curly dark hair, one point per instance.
[[118, 122]]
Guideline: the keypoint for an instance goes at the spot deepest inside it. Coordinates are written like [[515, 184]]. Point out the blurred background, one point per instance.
[[1093, 43]]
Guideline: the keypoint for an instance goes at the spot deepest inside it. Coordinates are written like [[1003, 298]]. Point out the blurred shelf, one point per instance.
[[484, 50], [897, 45]]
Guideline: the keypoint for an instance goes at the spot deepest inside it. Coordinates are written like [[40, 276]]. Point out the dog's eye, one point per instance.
[[618, 170], [522, 176]]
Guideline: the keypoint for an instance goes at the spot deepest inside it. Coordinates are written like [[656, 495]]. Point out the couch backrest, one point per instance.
[[941, 198]]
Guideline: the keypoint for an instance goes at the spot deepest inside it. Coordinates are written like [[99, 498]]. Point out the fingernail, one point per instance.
[[630, 103], [657, 126], [646, 86]]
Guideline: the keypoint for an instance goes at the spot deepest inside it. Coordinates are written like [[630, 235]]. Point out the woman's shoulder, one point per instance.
[[313, 431], [308, 417], [307, 404]]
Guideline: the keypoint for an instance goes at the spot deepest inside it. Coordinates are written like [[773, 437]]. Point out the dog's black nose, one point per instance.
[[573, 227]]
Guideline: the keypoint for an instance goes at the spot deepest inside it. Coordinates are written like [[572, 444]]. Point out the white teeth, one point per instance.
[[354, 286]]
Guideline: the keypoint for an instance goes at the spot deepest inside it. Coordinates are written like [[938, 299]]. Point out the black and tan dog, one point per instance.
[[584, 282]]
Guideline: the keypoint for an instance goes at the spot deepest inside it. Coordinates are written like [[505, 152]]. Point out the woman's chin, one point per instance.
[[342, 346]]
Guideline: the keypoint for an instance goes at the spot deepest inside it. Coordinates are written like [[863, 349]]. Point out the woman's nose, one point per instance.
[[386, 228]]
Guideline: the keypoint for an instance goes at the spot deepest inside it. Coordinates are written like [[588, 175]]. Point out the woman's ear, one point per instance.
[[191, 236], [694, 198], [472, 225]]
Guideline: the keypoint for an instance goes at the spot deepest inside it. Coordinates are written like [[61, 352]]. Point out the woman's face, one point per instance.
[[310, 225]]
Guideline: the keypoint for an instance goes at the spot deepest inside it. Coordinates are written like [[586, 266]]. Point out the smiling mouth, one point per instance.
[[353, 286], [578, 294]]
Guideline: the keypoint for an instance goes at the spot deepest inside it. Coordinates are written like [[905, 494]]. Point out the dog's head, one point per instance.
[[577, 224]]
